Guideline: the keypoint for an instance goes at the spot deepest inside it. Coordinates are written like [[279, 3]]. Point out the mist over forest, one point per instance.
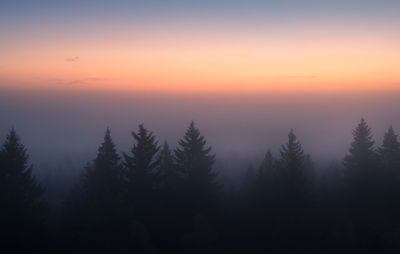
[[66, 127], [182, 173]]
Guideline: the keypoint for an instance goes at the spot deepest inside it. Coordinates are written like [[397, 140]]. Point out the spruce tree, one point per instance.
[[169, 210], [22, 211], [292, 204], [389, 153], [140, 171], [365, 188], [103, 177], [196, 161], [102, 212], [361, 160], [267, 178], [267, 169], [292, 163], [167, 173]]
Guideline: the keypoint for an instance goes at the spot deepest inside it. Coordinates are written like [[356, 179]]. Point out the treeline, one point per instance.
[[155, 199]]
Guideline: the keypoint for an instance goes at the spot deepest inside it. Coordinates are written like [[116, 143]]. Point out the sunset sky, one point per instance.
[[200, 46]]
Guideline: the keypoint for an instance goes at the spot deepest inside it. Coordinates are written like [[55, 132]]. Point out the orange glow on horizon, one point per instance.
[[267, 64]]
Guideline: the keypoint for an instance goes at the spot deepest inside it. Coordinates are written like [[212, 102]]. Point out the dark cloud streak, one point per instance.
[[72, 59]]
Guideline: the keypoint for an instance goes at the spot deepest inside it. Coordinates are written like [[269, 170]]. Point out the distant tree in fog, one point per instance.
[[361, 159], [167, 174], [389, 153], [268, 166], [295, 167]]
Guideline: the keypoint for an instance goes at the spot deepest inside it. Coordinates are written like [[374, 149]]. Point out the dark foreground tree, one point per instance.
[[22, 209], [169, 189], [140, 165], [97, 205], [293, 207], [196, 161], [365, 190], [103, 177], [103, 187], [140, 174]]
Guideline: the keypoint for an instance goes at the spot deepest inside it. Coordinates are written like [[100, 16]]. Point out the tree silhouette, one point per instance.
[[102, 212], [167, 173], [158, 200], [364, 191], [140, 172], [170, 202], [268, 177], [293, 206], [293, 164], [389, 153], [267, 169], [22, 211], [195, 160], [103, 178], [362, 157]]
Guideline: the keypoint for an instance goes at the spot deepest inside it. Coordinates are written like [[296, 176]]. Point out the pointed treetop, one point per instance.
[[391, 138], [13, 147], [144, 134], [165, 156], [193, 139], [143, 152], [166, 148], [292, 146], [107, 137], [362, 155], [193, 155], [12, 137], [362, 137], [292, 154], [166, 165], [391, 144], [16, 172], [107, 152], [268, 155], [267, 165]]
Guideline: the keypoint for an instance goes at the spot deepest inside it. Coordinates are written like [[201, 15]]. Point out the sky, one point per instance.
[[200, 46]]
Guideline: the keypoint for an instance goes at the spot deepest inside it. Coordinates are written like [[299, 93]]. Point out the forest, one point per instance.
[[158, 198]]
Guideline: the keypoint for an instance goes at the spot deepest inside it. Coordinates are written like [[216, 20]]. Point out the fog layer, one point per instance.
[[62, 128]]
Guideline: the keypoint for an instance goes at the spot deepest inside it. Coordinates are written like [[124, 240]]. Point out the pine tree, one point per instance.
[[102, 210], [292, 163], [140, 172], [167, 170], [267, 177], [389, 152], [267, 169], [195, 160], [361, 160], [293, 201], [103, 178], [22, 209], [365, 193]]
